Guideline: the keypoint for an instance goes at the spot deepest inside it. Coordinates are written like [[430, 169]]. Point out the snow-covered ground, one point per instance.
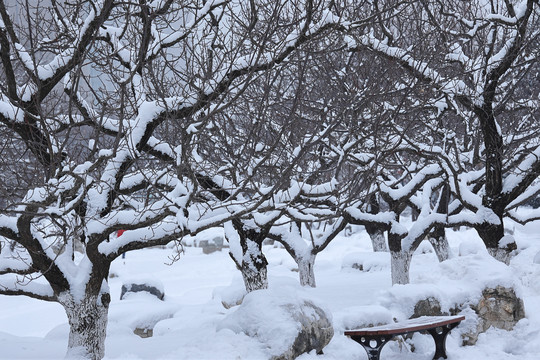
[[188, 324]]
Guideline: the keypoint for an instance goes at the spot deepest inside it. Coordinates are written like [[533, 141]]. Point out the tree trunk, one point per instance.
[[246, 252], [437, 237], [440, 245], [400, 259], [377, 239], [400, 262], [305, 270], [492, 235], [375, 232], [492, 199], [253, 268], [254, 278], [87, 325]]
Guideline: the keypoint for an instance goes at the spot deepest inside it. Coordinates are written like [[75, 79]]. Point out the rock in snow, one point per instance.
[[287, 322], [499, 307], [150, 285], [430, 306]]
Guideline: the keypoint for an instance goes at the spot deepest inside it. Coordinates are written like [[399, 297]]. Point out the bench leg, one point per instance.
[[439, 335], [373, 344]]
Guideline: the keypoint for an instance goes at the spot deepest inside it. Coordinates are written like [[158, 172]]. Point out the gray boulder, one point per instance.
[[427, 307], [144, 332], [153, 287]]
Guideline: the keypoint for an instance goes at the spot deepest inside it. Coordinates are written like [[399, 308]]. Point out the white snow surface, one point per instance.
[[193, 324]]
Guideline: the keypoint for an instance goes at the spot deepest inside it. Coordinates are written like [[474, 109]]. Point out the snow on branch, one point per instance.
[[289, 235], [516, 185], [50, 73], [163, 41], [400, 192], [322, 241], [463, 186], [13, 260], [499, 63], [161, 233], [531, 191], [356, 216], [420, 69], [8, 227], [11, 284], [144, 178], [524, 217], [8, 112]]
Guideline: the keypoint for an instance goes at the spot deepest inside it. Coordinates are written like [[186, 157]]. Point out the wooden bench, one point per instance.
[[373, 339]]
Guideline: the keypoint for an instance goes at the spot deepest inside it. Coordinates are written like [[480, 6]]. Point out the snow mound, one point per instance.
[[276, 318], [357, 317], [142, 310], [506, 240], [424, 248], [367, 261], [231, 295], [471, 247], [536, 259], [455, 282]]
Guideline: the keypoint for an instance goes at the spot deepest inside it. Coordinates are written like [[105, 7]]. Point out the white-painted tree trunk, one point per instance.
[[306, 270], [378, 241], [441, 247], [87, 325], [400, 266]]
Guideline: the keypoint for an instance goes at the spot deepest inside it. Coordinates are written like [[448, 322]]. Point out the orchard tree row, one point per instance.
[[284, 120]]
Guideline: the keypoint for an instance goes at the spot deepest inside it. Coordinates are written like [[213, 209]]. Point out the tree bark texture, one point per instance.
[[253, 268], [306, 270], [87, 325], [503, 255], [400, 260], [491, 234], [440, 245], [378, 241], [400, 263], [437, 237], [375, 233]]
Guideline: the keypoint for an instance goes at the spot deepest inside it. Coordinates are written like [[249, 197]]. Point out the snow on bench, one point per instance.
[[374, 338]]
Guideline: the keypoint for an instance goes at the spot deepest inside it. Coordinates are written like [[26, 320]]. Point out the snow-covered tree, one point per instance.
[[474, 58], [88, 91], [277, 137]]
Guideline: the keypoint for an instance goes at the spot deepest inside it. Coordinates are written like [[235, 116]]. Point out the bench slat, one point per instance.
[[411, 325]]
